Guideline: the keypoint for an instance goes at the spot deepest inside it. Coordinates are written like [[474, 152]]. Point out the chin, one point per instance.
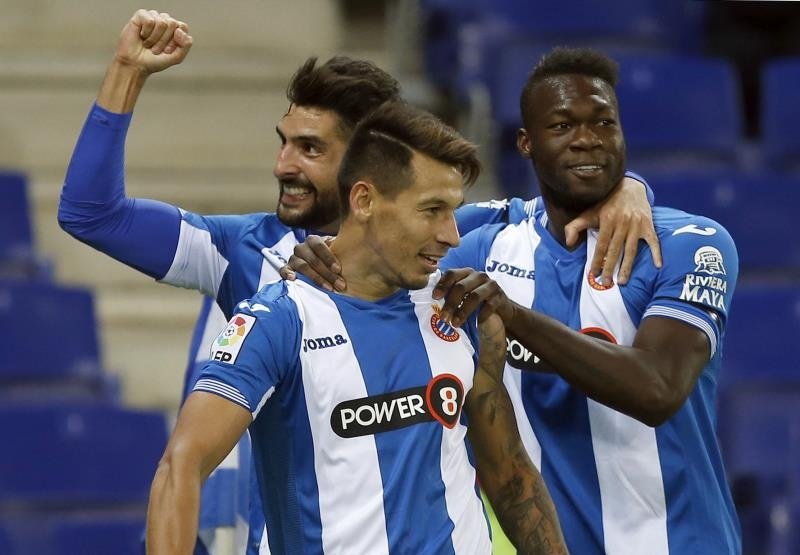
[[415, 282]]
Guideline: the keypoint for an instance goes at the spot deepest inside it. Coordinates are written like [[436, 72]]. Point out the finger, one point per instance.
[[167, 36], [184, 42], [159, 26], [447, 280], [322, 251], [600, 250], [628, 258], [651, 239], [301, 266], [145, 21], [464, 296], [613, 254], [287, 273], [306, 261], [181, 40], [574, 229]]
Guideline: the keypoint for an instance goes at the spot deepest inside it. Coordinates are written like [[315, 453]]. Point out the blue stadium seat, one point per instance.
[[15, 224], [762, 328], [70, 455], [99, 534], [17, 255], [780, 116], [757, 210], [679, 113], [759, 430], [49, 332]]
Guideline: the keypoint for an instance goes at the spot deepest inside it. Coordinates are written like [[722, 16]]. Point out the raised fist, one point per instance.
[[153, 41]]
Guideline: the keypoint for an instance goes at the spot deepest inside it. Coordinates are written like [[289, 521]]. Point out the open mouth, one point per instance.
[[292, 194], [586, 169], [430, 261]]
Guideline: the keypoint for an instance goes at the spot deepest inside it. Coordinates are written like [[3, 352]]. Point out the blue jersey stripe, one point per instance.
[[416, 449]]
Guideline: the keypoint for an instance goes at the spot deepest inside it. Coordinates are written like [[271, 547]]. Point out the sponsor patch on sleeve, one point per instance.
[[228, 343]]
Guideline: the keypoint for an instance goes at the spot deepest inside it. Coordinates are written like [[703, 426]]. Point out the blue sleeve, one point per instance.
[[473, 250], [651, 198], [472, 216], [256, 352], [94, 209], [698, 278]]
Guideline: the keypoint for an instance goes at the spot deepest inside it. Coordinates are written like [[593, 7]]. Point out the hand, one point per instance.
[[623, 218], [313, 258], [464, 290], [153, 41]]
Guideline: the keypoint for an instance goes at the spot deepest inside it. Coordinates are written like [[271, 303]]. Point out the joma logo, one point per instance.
[[322, 342]]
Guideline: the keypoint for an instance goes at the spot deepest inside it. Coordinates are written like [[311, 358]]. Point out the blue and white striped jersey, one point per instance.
[[358, 436], [620, 487]]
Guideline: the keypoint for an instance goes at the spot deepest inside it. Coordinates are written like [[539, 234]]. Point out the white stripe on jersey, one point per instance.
[[670, 312], [625, 450], [348, 474], [223, 390], [197, 263], [463, 506], [275, 258], [515, 245]]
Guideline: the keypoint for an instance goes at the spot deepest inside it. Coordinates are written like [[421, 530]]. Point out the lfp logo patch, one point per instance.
[[227, 344], [442, 329]]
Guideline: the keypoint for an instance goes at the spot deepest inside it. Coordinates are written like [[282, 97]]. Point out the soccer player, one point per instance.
[[614, 387], [230, 257], [355, 401]]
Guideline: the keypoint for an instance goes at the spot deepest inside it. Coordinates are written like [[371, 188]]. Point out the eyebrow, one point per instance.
[[302, 138]]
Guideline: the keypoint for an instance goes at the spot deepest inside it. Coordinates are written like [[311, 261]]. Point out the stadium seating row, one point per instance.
[[680, 110], [76, 467]]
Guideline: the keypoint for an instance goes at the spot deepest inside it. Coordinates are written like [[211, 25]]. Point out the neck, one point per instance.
[[361, 269], [557, 220]]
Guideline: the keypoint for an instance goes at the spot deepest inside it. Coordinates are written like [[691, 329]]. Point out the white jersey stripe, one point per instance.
[[632, 496], [463, 505], [198, 263], [348, 473], [670, 312], [515, 245], [223, 390]]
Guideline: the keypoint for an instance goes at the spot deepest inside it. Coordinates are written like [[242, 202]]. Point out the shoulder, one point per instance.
[[678, 230], [475, 215]]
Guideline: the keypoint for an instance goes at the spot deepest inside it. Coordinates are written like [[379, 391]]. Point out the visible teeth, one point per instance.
[[295, 191], [585, 168]]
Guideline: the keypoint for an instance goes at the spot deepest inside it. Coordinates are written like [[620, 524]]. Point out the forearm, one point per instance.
[[173, 512], [627, 379], [524, 508], [94, 208], [121, 87]]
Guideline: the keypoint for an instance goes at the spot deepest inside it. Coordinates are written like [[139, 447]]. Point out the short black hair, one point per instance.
[[350, 88], [568, 61], [383, 144]]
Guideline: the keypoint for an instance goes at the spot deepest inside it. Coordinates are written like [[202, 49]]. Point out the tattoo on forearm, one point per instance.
[[519, 495], [527, 513]]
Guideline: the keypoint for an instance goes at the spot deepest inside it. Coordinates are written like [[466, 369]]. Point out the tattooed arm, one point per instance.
[[514, 486]]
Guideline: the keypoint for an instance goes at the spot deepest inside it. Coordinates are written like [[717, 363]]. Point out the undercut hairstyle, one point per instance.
[[568, 61], [350, 88], [383, 145]]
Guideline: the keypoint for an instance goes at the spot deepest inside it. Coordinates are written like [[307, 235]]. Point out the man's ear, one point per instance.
[[362, 200], [523, 143]]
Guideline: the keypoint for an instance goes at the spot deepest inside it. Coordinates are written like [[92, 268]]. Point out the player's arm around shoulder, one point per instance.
[[513, 485]]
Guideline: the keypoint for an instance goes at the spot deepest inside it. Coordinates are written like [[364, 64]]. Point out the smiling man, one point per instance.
[[354, 402], [614, 387]]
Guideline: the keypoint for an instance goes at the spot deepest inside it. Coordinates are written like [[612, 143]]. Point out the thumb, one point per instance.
[[574, 229]]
